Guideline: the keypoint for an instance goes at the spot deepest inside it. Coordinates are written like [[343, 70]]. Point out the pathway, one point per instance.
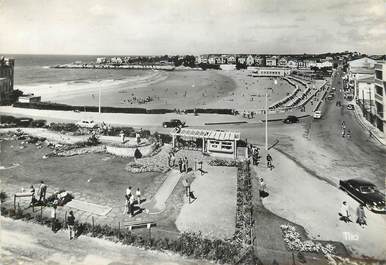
[[158, 203], [214, 211]]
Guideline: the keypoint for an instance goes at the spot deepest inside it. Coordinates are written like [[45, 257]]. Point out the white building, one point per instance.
[[292, 64], [366, 89], [271, 61], [212, 60], [250, 60], [101, 60], [272, 72], [231, 59], [241, 60], [380, 96], [282, 62]]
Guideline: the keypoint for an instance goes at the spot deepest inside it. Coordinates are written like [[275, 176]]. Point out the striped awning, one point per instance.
[[208, 134]]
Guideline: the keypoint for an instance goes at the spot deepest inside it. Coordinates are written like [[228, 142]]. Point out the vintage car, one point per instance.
[[173, 123], [87, 124], [291, 119], [364, 192], [317, 114]]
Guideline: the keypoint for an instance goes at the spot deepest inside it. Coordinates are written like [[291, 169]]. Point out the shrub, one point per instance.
[[38, 123], [166, 138], [7, 119], [67, 127], [3, 196]]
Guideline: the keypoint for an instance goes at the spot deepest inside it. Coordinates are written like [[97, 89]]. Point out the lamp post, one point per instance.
[[99, 105]]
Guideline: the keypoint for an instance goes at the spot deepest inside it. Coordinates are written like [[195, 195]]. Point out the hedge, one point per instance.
[[192, 245]]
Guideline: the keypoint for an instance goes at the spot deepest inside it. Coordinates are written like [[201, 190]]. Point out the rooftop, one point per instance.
[[209, 134]]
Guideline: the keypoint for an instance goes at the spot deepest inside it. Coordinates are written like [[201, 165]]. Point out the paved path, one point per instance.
[[214, 211], [158, 202], [301, 198]]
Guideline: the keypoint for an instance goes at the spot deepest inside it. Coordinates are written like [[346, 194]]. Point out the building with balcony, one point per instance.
[[6, 79], [380, 96]]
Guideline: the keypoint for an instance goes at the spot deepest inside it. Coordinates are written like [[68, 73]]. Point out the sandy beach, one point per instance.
[[179, 89]]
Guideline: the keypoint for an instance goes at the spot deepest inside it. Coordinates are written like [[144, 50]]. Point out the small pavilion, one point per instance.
[[214, 142]]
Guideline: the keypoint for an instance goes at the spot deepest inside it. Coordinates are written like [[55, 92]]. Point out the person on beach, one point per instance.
[[42, 191], [138, 137], [138, 195], [71, 224], [361, 216]]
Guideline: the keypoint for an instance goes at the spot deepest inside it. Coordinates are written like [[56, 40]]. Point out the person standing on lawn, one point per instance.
[[42, 191], [138, 195], [128, 191], [131, 203], [180, 164], [71, 224], [186, 161], [53, 217], [122, 135], [173, 159], [32, 191]]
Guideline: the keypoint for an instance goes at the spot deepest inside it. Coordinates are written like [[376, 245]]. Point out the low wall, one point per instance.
[[129, 151]]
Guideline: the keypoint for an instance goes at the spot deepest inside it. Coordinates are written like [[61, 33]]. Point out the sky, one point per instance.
[[154, 27]]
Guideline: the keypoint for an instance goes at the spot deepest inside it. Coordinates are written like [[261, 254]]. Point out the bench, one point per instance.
[[132, 225]]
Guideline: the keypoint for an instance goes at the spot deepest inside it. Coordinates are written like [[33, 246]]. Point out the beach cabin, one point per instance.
[[29, 99], [213, 142]]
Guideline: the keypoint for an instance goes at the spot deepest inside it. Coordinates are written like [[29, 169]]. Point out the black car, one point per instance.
[[291, 119], [364, 192], [173, 123]]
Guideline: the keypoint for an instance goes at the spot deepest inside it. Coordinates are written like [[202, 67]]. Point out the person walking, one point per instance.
[[269, 161], [186, 184], [42, 191], [127, 205], [71, 224], [348, 134], [138, 195], [173, 159], [344, 213], [170, 159], [262, 185], [53, 217], [180, 164], [122, 135], [361, 216], [186, 161]]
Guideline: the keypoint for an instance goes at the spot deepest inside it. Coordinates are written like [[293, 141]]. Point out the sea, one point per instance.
[[35, 70]]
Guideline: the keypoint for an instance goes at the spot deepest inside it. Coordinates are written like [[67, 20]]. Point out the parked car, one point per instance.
[[317, 114], [23, 122], [173, 123], [291, 119], [350, 106], [87, 124], [364, 192]]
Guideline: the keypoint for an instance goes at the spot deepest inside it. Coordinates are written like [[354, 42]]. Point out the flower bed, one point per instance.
[[135, 167], [244, 220], [294, 242], [223, 163]]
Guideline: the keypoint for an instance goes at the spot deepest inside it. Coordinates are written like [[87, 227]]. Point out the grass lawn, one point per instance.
[[97, 177]]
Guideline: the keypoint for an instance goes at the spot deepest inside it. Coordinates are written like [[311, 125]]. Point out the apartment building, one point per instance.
[[380, 96]]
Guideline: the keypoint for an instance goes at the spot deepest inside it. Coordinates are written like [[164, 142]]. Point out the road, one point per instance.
[[358, 152], [27, 243]]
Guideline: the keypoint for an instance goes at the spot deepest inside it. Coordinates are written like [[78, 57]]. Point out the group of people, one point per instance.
[[41, 193], [131, 199], [253, 151], [344, 132], [345, 214]]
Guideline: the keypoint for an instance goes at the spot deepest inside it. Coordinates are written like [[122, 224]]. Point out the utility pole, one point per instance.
[[266, 121], [99, 108]]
